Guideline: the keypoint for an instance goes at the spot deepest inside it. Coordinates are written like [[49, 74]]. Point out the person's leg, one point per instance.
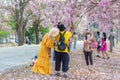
[[75, 44], [91, 61], [106, 54], [65, 63], [103, 55], [98, 53], [90, 58], [86, 58], [58, 57], [113, 43]]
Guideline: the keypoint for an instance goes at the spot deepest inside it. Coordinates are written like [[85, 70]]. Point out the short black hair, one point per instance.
[[98, 32], [61, 26]]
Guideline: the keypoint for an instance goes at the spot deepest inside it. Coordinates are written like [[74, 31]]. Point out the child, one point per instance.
[[33, 60]]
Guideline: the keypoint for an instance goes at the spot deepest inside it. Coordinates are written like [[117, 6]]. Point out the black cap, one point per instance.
[[61, 27]]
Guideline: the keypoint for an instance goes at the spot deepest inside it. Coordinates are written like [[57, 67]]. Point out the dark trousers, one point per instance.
[[88, 58], [61, 58]]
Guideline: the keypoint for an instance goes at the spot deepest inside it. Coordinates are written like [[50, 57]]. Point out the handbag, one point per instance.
[[93, 45]]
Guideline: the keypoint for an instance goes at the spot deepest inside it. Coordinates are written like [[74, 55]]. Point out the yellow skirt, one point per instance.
[[42, 64]]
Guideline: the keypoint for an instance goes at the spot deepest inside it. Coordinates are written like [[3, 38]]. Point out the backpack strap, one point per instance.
[[63, 33], [60, 34], [63, 36]]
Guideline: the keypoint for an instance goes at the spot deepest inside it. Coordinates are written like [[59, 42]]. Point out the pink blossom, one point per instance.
[[104, 3]]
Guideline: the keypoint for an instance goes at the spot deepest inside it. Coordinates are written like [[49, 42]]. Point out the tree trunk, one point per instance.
[[36, 25], [111, 40], [37, 35], [20, 37], [23, 36]]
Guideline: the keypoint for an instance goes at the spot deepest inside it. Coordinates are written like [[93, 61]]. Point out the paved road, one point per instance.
[[15, 56]]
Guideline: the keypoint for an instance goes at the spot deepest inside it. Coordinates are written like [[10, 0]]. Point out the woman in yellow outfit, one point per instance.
[[42, 64]]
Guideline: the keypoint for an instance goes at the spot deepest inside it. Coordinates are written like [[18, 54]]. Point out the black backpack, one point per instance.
[[61, 44]]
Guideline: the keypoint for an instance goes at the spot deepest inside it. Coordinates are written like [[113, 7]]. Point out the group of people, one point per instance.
[[90, 45], [62, 39], [42, 64]]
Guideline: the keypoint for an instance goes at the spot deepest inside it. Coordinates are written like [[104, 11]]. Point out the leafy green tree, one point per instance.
[[11, 22], [31, 33], [43, 30], [19, 9], [4, 34]]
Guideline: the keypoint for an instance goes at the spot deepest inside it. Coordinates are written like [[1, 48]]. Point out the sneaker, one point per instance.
[[65, 75], [57, 74]]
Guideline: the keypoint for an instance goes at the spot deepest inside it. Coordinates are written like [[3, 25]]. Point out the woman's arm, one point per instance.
[[49, 52]]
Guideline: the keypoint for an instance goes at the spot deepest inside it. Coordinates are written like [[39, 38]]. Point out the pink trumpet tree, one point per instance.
[[106, 14], [66, 12], [36, 8]]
